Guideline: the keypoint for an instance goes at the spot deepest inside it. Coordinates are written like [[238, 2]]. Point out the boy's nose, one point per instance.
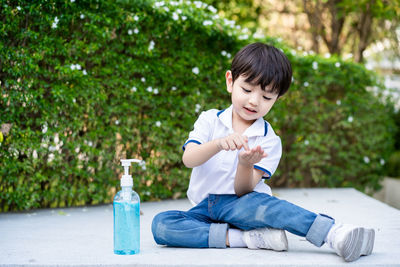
[[253, 100]]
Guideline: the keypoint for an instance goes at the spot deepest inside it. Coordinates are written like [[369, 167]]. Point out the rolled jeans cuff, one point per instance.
[[217, 235], [319, 229]]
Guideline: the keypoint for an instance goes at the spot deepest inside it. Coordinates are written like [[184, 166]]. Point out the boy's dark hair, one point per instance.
[[263, 65]]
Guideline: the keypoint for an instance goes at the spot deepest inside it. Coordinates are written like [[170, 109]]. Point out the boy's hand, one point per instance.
[[234, 141], [251, 157]]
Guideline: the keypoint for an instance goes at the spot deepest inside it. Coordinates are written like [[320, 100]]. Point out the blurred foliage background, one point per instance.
[[85, 83]]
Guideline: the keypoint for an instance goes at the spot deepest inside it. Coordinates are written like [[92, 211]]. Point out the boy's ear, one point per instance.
[[229, 81]]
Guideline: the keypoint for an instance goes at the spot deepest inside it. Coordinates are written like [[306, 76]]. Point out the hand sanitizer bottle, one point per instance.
[[127, 215]]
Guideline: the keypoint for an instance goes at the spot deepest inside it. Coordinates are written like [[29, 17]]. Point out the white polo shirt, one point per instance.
[[216, 176]]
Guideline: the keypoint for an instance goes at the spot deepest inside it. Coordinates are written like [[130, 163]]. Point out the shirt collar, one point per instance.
[[258, 128]]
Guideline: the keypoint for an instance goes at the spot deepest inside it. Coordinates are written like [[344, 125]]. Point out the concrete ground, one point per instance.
[[84, 236]]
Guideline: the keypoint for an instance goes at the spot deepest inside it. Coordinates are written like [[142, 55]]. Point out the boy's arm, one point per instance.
[[247, 177], [196, 154]]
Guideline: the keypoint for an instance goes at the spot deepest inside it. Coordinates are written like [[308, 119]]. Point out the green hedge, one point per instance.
[[85, 83]]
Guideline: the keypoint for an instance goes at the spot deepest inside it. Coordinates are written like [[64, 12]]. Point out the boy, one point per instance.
[[230, 152]]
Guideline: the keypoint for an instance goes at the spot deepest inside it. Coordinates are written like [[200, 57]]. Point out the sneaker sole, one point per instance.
[[359, 242]]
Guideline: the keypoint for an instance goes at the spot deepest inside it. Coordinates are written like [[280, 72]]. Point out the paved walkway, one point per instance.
[[84, 236]]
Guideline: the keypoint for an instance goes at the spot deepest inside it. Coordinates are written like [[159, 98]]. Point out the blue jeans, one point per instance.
[[206, 224]]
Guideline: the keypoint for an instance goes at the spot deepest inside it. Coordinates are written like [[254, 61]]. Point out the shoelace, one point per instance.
[[260, 241]]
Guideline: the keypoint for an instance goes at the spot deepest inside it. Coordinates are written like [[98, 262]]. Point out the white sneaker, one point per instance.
[[351, 242], [266, 238]]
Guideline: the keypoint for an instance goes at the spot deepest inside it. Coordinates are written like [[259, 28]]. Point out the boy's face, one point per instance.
[[249, 101]]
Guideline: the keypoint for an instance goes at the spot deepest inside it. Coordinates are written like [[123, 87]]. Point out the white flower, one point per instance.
[[337, 64], [327, 55], [207, 22], [166, 8], [149, 89], [82, 16], [315, 65], [78, 67], [117, 122], [228, 55], [130, 32], [212, 9], [34, 154], [223, 52], [243, 37], [158, 123], [142, 164], [72, 1], [136, 18], [179, 11], [338, 102], [90, 143], [72, 67], [18, 7], [173, 88], [77, 149], [259, 35], [134, 89], [350, 119], [55, 22], [151, 45], [175, 16], [366, 160], [44, 128], [155, 91], [50, 158], [306, 84], [52, 148], [348, 56], [84, 72], [56, 138], [198, 4], [196, 70], [136, 30], [198, 107], [306, 142], [184, 17], [143, 79], [382, 162]]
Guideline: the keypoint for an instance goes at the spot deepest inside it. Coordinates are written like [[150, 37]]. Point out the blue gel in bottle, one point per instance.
[[126, 217]]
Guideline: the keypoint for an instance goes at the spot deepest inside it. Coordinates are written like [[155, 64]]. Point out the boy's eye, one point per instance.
[[247, 91], [267, 98]]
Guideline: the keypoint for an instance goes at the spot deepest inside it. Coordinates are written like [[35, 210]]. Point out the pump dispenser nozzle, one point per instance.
[[126, 179]]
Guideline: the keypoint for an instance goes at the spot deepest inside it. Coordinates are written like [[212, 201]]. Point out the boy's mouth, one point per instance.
[[250, 110]]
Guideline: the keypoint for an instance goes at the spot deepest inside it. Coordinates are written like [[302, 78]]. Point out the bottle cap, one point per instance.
[[126, 179]]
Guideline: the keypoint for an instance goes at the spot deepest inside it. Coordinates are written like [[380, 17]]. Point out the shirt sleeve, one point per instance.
[[273, 147], [202, 129]]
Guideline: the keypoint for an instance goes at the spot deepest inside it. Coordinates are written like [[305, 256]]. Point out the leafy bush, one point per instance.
[[393, 168], [335, 129], [86, 83]]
